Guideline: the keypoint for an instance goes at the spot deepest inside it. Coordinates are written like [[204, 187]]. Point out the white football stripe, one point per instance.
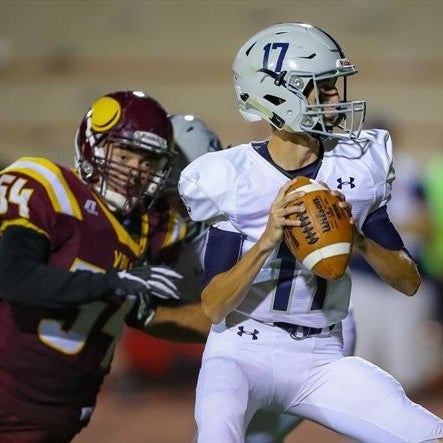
[[327, 251], [311, 187]]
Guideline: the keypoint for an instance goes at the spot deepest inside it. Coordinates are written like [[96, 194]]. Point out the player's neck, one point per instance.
[[293, 151]]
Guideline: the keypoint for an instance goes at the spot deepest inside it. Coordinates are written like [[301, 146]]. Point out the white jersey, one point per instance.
[[233, 190]]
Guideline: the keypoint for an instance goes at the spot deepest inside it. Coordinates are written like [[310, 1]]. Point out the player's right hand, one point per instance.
[[278, 215], [158, 281]]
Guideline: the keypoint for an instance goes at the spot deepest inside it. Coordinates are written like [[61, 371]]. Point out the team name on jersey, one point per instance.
[[121, 260]]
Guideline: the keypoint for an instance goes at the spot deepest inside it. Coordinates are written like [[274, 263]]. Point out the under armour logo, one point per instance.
[[241, 331], [342, 182], [91, 207]]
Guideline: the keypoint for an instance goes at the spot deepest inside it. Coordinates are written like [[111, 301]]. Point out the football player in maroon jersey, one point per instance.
[[70, 273], [176, 241]]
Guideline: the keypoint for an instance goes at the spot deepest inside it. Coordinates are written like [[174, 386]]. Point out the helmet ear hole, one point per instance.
[[274, 99]]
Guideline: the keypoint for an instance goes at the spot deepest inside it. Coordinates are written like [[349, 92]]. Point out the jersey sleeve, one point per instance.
[[377, 175], [26, 278], [382, 169], [33, 193], [223, 250], [205, 186]]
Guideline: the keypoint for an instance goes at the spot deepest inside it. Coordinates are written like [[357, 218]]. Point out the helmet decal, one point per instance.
[[106, 113]]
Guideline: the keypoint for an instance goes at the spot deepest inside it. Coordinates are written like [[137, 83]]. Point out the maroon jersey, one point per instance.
[[53, 360], [167, 229]]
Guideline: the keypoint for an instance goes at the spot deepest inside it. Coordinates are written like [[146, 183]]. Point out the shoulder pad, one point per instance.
[[50, 177], [32, 192], [206, 184]]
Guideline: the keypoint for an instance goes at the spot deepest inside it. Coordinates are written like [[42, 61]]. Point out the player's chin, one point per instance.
[[117, 184], [120, 202], [332, 120]]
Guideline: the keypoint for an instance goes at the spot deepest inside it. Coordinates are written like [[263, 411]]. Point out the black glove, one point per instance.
[[158, 281], [146, 300], [142, 312]]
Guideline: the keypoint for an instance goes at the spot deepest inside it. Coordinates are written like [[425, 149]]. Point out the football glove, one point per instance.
[[142, 312], [158, 281], [145, 305]]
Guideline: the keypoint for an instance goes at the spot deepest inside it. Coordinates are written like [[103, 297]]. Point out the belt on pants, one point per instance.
[[300, 332]]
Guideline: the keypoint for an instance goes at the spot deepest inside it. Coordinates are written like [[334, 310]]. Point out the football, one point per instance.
[[323, 242]]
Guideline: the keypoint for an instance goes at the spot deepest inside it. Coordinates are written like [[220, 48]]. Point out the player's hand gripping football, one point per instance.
[[343, 202], [278, 216], [158, 281], [357, 236]]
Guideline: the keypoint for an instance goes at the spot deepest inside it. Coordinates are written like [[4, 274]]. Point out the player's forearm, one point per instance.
[[394, 267], [227, 290], [185, 323], [25, 278]]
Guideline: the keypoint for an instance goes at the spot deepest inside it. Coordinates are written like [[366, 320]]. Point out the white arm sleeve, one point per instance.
[[383, 170]]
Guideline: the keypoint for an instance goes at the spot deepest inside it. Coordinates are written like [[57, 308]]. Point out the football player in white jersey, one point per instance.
[[276, 340], [194, 138]]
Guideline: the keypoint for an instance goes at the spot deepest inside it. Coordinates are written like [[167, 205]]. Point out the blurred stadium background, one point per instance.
[[56, 57]]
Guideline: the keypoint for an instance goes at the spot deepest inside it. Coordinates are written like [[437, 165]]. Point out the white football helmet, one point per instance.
[[192, 138], [275, 70]]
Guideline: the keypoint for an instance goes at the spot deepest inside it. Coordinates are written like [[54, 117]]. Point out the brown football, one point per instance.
[[323, 242]]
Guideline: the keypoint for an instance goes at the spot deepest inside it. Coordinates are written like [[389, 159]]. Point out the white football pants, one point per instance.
[[244, 372], [271, 427]]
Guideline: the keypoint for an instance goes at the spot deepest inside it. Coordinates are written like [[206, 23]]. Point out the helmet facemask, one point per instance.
[[339, 119], [122, 183]]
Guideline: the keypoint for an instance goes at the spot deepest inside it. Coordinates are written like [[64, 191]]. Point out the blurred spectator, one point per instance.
[[393, 331], [432, 256], [432, 253]]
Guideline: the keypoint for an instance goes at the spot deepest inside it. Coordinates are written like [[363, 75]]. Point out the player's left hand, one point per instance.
[[143, 310], [159, 281], [343, 202], [146, 301], [357, 236], [162, 280]]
